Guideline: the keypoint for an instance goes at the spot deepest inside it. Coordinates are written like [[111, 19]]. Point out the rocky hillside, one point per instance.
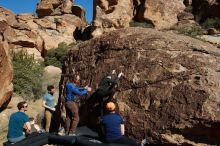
[[110, 15], [170, 90], [170, 86], [54, 23]]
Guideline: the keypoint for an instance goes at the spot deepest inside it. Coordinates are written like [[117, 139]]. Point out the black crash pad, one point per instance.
[[35, 139]]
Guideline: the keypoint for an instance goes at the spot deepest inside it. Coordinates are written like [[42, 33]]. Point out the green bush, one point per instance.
[[189, 9], [55, 56], [27, 75], [140, 24], [192, 31], [211, 23]]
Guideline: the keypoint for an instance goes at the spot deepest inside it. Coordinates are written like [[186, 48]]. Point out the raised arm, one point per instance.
[[79, 91], [115, 80]]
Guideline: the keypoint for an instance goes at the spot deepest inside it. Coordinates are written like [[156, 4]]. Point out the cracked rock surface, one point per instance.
[[170, 83]]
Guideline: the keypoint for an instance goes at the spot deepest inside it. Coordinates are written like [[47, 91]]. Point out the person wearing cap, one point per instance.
[[114, 129], [49, 105], [71, 93], [18, 123]]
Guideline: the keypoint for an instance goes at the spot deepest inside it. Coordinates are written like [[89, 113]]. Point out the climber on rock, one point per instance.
[[106, 87]]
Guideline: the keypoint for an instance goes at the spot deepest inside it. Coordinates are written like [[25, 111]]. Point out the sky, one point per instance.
[[29, 6]]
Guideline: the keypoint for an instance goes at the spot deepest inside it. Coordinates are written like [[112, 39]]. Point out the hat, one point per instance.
[[110, 106]]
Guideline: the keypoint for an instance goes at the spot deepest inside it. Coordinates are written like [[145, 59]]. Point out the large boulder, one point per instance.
[[3, 23], [79, 11], [162, 14], [8, 16], [54, 7], [6, 86], [206, 9], [110, 15], [37, 35], [51, 76], [170, 83]]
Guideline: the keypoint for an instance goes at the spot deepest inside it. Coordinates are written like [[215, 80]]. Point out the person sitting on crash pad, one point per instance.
[[19, 124], [113, 127]]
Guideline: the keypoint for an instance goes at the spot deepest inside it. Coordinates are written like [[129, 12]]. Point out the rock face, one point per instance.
[[110, 15], [54, 7], [79, 11], [6, 86], [170, 83], [162, 14], [206, 8], [37, 35], [51, 76]]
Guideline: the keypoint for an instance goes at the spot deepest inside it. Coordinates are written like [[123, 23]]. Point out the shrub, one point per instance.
[[27, 75], [140, 24], [211, 22], [192, 31], [55, 56], [189, 9]]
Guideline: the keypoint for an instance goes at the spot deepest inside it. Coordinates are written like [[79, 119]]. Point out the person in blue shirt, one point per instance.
[[114, 129], [19, 124], [71, 93], [49, 105]]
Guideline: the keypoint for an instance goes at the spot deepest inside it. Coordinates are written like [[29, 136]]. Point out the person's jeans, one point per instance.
[[17, 139], [48, 115], [72, 117]]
